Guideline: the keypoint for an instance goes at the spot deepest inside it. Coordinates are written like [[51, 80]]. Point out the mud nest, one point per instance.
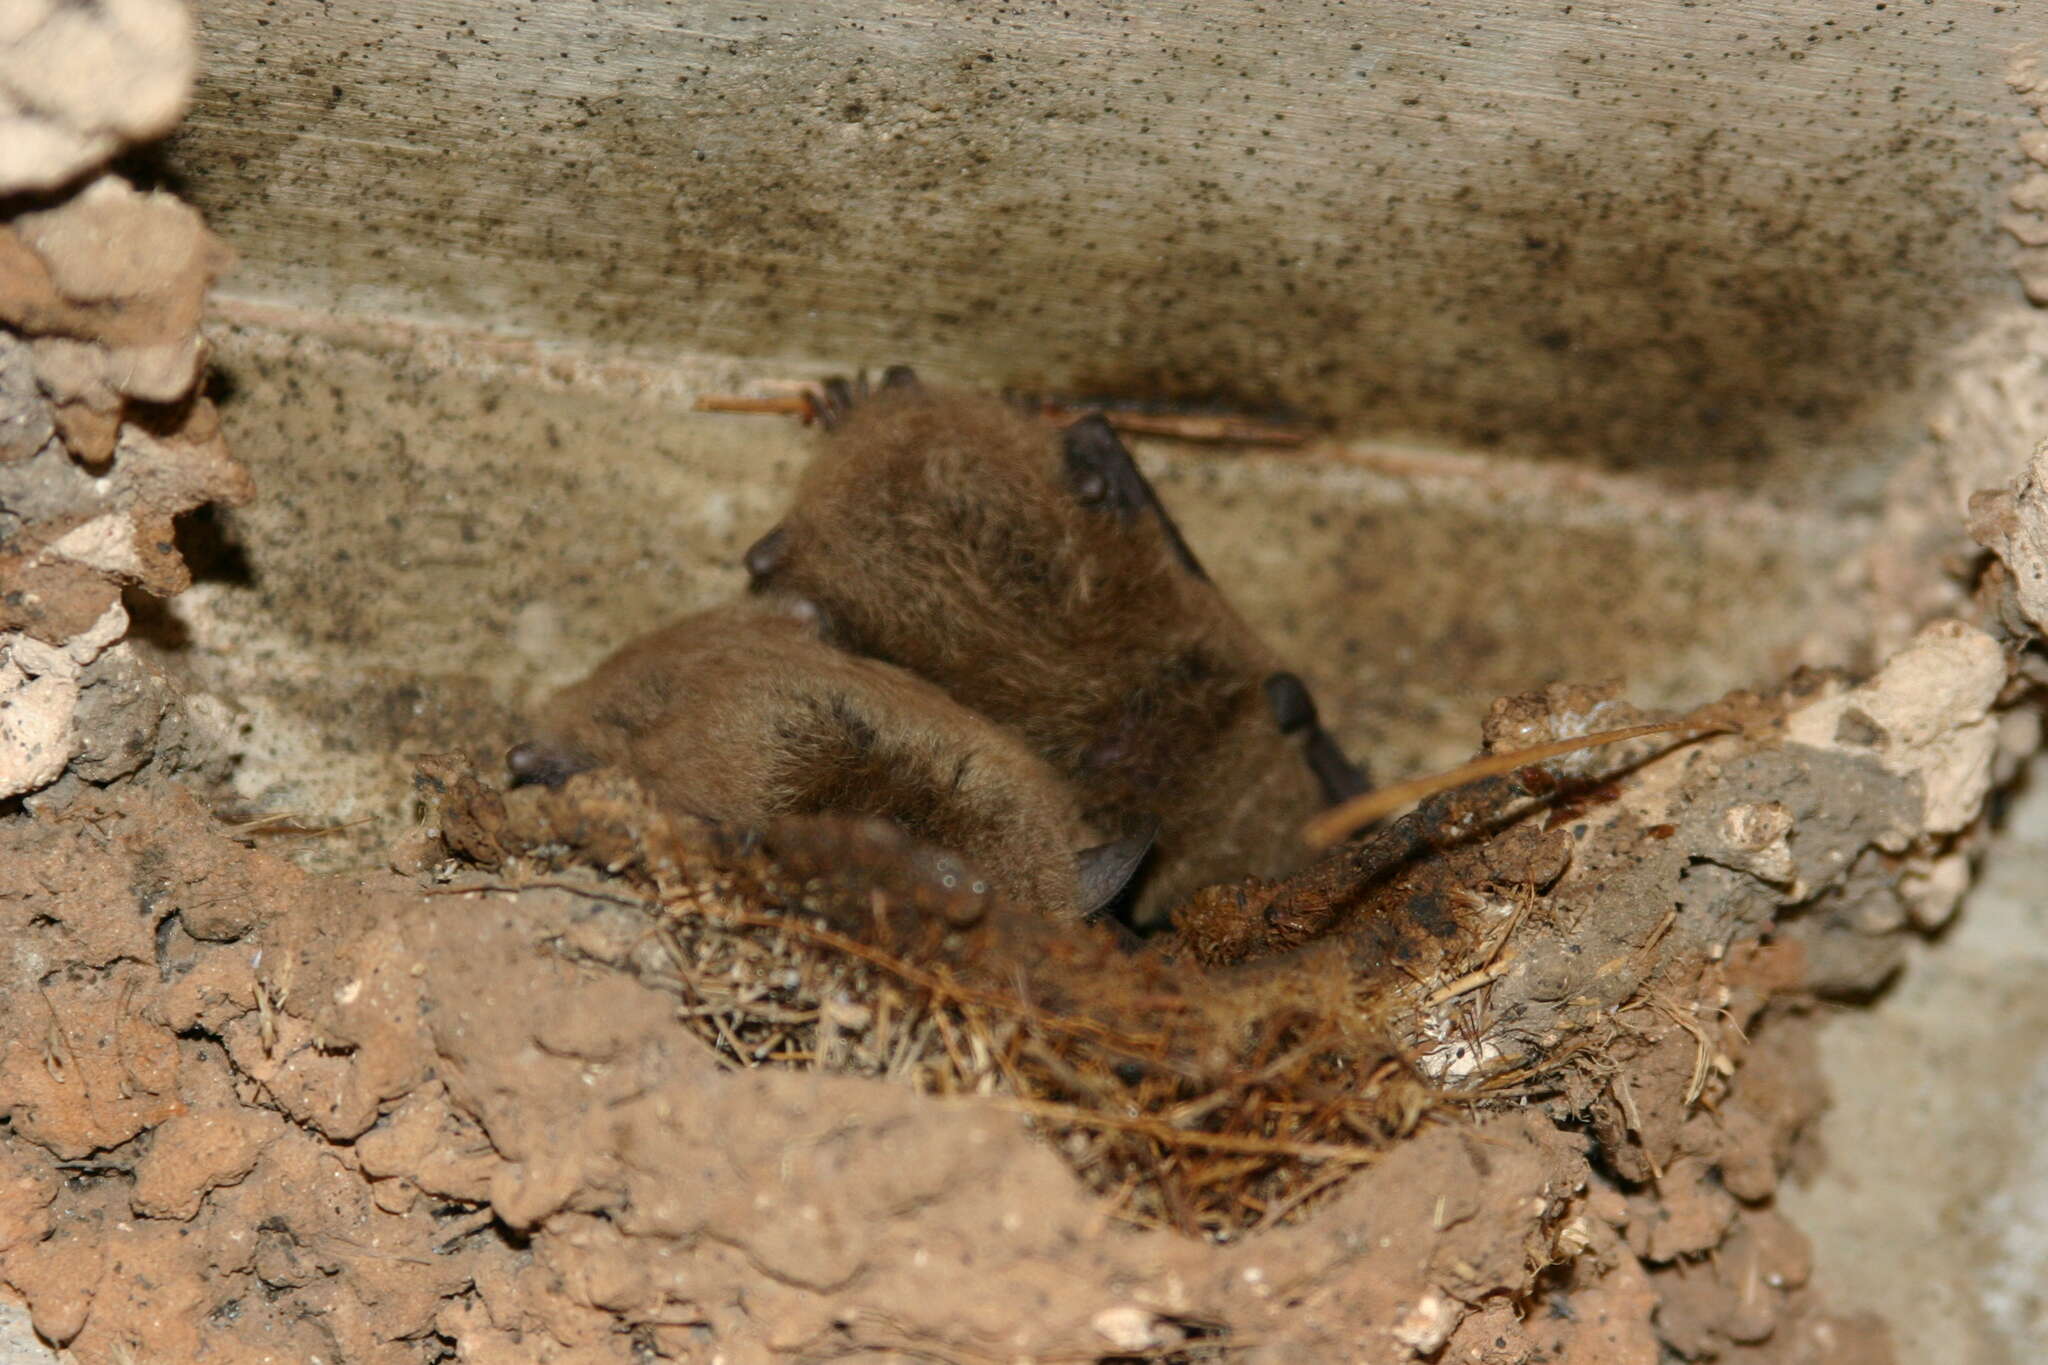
[[805, 944]]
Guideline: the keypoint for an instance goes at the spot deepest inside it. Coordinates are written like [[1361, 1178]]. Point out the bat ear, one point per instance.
[[1294, 710], [538, 763], [1288, 699], [1100, 470], [1341, 779], [1107, 869], [1102, 475], [834, 399]]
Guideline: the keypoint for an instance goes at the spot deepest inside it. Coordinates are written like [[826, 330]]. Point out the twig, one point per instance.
[[475, 1222], [287, 823], [787, 404], [1276, 1212], [1703, 1048], [1470, 981], [1205, 428], [1340, 822]]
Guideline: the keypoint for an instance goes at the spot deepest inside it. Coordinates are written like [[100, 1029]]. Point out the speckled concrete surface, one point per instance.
[[1933, 1207], [1702, 240]]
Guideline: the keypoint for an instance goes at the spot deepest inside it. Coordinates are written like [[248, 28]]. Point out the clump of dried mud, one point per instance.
[[104, 442], [2027, 74], [631, 1090], [78, 83]]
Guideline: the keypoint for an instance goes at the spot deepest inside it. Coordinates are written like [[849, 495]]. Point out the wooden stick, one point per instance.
[[1212, 429], [1470, 981], [1338, 823], [788, 404]]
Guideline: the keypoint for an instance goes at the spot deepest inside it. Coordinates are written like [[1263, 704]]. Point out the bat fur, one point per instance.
[[1035, 577]]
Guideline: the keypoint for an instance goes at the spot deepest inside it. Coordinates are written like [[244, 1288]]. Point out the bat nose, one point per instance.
[[542, 764], [765, 555]]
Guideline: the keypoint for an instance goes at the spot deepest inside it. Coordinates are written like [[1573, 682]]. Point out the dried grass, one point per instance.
[[1210, 1149], [1211, 1102]]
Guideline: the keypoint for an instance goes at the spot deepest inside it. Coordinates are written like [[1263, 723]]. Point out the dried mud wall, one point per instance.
[[544, 1115], [104, 438]]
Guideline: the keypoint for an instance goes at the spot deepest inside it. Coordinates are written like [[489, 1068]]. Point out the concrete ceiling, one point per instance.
[[1705, 240]]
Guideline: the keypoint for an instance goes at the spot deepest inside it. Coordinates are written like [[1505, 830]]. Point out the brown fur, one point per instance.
[[741, 714], [947, 534]]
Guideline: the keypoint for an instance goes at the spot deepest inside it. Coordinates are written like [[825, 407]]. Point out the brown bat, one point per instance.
[[741, 715], [1035, 577]]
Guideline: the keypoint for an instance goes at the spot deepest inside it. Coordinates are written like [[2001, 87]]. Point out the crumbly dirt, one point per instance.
[[79, 83], [585, 1085], [104, 442]]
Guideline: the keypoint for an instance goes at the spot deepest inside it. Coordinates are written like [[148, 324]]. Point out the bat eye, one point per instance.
[[1287, 697], [765, 555], [1099, 470]]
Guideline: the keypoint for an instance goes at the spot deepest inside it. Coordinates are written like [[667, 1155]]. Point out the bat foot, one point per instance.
[[832, 399]]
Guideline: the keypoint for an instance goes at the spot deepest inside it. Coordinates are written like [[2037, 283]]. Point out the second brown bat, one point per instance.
[[741, 714]]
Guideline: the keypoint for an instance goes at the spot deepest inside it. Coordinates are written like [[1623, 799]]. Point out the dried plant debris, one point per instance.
[[819, 941]]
